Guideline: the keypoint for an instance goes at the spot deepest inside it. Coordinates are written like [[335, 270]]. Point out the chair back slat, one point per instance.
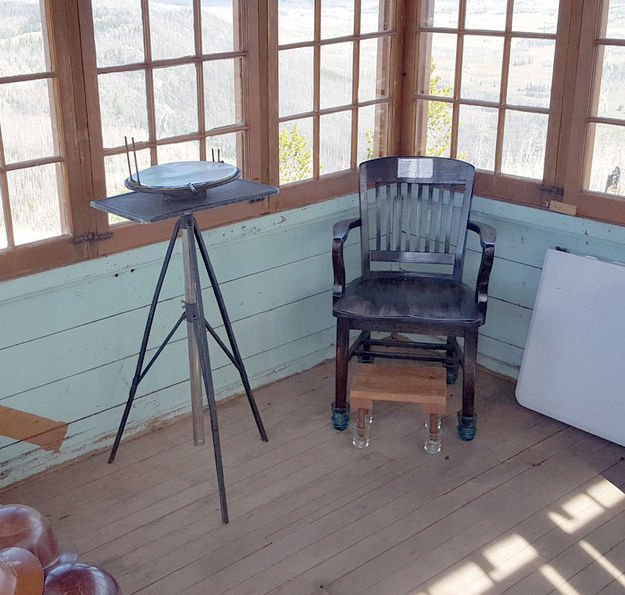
[[378, 220], [398, 218], [416, 212], [388, 217], [409, 211], [449, 219]]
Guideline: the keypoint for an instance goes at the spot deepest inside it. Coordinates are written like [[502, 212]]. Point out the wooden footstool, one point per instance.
[[404, 384]]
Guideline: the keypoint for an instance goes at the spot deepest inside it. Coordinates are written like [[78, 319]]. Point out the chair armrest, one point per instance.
[[340, 232], [488, 235]]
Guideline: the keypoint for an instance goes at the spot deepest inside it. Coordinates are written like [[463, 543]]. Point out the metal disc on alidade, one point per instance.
[[182, 179]]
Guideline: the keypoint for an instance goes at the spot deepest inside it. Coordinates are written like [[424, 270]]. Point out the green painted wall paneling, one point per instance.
[[70, 336]]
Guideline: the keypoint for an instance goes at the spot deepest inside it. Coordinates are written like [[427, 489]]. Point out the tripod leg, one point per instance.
[[228, 326], [195, 313], [144, 342]]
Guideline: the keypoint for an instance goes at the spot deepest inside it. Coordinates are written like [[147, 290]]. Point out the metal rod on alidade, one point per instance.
[[134, 150], [128, 157]]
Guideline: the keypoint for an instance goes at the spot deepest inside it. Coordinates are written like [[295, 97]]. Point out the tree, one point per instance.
[[295, 156], [439, 122], [439, 117]]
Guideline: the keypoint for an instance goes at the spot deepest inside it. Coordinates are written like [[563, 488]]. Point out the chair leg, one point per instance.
[[451, 362], [340, 409], [365, 359], [467, 418]]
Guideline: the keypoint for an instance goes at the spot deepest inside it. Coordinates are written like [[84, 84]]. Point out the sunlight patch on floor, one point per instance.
[[584, 507], [469, 579], [510, 554], [557, 580], [612, 570]]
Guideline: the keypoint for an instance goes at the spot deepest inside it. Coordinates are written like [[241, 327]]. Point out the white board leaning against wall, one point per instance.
[[574, 360]]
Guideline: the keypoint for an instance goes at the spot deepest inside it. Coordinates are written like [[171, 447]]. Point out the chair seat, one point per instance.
[[409, 299]]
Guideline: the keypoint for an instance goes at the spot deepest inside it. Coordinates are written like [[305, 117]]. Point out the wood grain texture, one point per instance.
[[403, 384], [72, 321], [311, 514], [22, 426]]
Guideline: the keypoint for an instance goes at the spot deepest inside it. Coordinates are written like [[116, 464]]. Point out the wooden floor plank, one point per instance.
[[529, 506]]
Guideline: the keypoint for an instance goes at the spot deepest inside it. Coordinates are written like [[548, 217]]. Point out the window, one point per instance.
[[297, 93], [596, 162], [334, 91], [173, 79], [31, 158], [485, 90]]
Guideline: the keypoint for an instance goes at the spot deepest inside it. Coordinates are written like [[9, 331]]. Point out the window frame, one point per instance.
[[592, 205], [326, 186], [505, 187], [89, 235]]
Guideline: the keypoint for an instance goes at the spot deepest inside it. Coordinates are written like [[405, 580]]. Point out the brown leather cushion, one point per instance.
[[409, 299]]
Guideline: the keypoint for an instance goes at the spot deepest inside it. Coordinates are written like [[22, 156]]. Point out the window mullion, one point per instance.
[[355, 85], [578, 85], [268, 93], [455, 116], [74, 63], [5, 205], [404, 59], [201, 114], [503, 91], [316, 88]]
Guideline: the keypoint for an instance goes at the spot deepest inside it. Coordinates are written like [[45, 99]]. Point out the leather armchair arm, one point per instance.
[[488, 235], [340, 232]]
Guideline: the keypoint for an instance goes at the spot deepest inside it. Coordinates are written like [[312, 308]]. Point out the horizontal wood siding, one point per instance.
[[69, 337]]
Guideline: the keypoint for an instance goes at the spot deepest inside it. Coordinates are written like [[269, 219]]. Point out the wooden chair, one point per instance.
[[414, 214]]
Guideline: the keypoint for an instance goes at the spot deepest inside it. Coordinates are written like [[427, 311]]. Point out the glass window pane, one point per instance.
[[375, 15], [608, 160], [531, 72], [116, 170], [438, 115], [27, 130], [535, 17], [477, 134], [371, 128], [441, 47], [34, 198], [296, 21], [481, 67], [218, 22], [175, 100], [337, 18], [123, 107], [118, 31], [336, 74], [222, 92], [171, 29], [611, 102], [296, 159], [335, 133], [489, 15], [21, 38], [189, 151], [296, 77], [442, 13], [615, 26], [524, 140], [374, 68], [227, 148]]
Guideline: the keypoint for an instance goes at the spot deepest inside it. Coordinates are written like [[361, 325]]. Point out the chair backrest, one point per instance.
[[415, 210]]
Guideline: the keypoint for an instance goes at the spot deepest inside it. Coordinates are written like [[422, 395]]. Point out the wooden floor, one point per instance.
[[530, 506]]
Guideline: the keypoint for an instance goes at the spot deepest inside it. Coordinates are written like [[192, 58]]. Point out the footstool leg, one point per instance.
[[361, 429], [433, 433]]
